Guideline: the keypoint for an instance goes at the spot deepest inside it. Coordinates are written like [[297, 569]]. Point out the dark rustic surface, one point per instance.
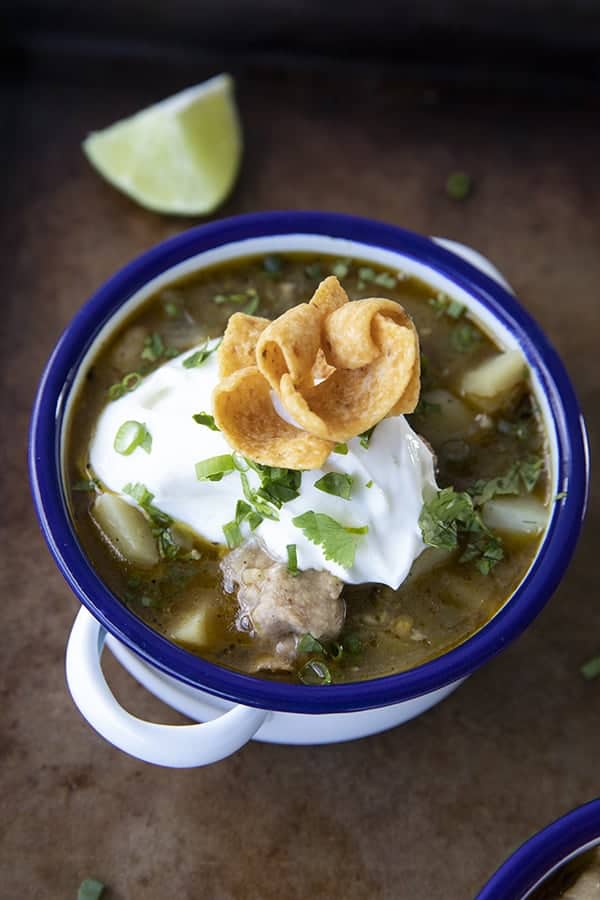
[[428, 810]]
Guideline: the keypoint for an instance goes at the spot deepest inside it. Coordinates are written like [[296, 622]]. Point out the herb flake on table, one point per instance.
[[459, 185]]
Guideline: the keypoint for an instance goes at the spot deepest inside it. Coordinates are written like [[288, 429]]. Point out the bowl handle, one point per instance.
[[176, 746]]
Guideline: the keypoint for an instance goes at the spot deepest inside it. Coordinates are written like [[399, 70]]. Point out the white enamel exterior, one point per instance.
[[225, 727]]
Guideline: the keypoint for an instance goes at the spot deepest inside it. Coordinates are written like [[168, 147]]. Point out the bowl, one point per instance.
[[244, 705], [545, 853]]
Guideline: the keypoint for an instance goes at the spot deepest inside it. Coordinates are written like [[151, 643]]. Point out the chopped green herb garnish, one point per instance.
[[449, 519], [233, 535], [366, 273], [139, 492], [171, 310], [127, 384], [84, 485], [130, 436], [90, 889], [522, 474], [365, 437], [459, 185], [336, 483], [561, 495], [369, 484], [314, 271], [352, 644], [292, 559], [314, 672], [455, 309], [167, 545], [252, 305], [155, 349], [204, 418], [245, 513], [309, 644], [341, 267], [591, 669], [200, 356], [386, 280], [464, 337], [424, 407], [339, 542], [519, 429], [272, 265], [213, 468], [342, 449]]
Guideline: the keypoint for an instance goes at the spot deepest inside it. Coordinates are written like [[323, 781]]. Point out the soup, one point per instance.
[[476, 420]]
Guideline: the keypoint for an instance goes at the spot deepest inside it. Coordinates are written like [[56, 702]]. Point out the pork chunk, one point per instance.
[[279, 607]]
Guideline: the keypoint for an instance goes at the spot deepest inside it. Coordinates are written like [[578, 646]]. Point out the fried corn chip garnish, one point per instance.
[[244, 411], [337, 368], [238, 347]]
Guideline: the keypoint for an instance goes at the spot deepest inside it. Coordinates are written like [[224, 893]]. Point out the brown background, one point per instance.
[[428, 810]]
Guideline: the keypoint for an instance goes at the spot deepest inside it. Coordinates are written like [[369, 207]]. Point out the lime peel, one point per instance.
[[179, 156]]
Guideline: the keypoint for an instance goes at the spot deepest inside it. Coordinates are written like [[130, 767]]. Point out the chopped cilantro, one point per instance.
[[352, 644], [336, 483], [309, 644], [464, 337], [523, 473], [365, 437], [339, 542], [313, 271], [155, 349], [424, 407], [90, 889], [519, 429], [366, 273], [591, 668], [342, 449], [386, 280], [200, 356], [272, 265], [459, 185], [85, 485], [204, 418], [292, 559], [449, 519], [341, 267], [171, 310]]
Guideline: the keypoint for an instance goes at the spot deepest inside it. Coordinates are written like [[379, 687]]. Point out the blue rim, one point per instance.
[[55, 523], [546, 849]]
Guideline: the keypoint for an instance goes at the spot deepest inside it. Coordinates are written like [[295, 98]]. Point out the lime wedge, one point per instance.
[[179, 156]]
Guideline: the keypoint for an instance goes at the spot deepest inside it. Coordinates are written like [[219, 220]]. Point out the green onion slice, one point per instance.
[[131, 435], [314, 672], [292, 559], [233, 535], [213, 468]]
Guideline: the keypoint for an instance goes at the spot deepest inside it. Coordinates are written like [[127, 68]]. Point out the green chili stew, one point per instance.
[[483, 527]]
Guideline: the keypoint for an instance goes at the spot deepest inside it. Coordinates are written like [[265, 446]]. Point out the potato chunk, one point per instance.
[[519, 515], [490, 385], [196, 627], [126, 529]]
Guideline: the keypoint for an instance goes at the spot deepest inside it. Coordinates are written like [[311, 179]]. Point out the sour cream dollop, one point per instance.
[[390, 477]]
